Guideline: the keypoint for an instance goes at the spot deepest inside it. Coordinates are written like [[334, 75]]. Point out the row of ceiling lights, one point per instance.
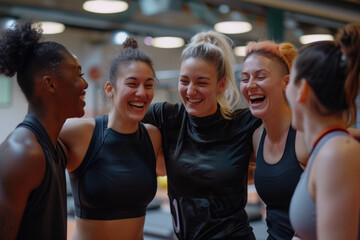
[[116, 6]]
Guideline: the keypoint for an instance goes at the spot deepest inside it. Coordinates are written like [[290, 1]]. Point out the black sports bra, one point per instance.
[[117, 178]]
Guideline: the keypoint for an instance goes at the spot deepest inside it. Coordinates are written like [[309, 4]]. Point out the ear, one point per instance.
[[286, 80], [49, 83], [303, 91], [222, 84], [108, 89]]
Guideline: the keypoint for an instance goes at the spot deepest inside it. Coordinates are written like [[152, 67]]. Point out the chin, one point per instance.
[[257, 113]]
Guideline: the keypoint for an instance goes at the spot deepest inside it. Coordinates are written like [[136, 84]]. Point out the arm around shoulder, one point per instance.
[[156, 140], [76, 136]]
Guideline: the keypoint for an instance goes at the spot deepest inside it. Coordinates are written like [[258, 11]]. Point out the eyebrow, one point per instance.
[[134, 78], [257, 71], [201, 77]]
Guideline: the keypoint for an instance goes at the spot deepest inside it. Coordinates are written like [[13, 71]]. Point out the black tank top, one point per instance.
[[275, 184], [207, 162], [45, 215], [117, 178]]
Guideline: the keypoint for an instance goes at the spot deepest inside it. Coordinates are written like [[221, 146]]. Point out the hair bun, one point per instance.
[[130, 43]]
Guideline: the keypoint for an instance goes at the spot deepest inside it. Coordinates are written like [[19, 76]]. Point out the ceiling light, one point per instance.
[[120, 37], [9, 24], [233, 27], [167, 42], [52, 27], [148, 41], [305, 39], [240, 51], [105, 6]]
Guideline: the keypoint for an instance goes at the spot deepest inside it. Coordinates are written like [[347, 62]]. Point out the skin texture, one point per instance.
[[265, 79], [22, 160], [334, 179], [198, 87], [130, 98]]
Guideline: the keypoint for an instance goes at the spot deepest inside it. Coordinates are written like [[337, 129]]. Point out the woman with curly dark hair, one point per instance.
[[32, 161]]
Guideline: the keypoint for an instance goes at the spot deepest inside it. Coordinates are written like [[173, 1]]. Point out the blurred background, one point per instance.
[[95, 37], [162, 29]]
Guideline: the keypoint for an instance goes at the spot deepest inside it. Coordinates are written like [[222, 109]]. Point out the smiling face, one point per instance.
[[133, 92], [263, 82], [198, 87], [72, 87]]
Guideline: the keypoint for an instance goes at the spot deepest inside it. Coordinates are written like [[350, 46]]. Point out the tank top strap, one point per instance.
[[318, 146], [290, 151], [260, 150], [96, 142], [31, 123]]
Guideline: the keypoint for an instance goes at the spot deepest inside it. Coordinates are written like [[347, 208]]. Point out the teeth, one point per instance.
[[137, 104], [82, 97], [194, 100], [255, 96]]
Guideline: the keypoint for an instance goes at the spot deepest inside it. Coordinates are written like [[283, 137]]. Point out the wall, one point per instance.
[[91, 50]]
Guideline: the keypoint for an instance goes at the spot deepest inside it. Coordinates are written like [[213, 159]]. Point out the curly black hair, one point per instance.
[[23, 53]]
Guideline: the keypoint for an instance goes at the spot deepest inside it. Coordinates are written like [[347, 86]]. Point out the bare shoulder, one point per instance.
[[75, 129], [152, 130], [301, 149], [77, 125], [22, 160], [340, 154], [155, 135]]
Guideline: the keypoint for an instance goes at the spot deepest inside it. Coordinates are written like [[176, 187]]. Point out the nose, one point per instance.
[[141, 90], [251, 83], [191, 90], [85, 83]]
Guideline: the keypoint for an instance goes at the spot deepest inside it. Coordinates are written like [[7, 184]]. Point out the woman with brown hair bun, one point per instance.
[[112, 158]]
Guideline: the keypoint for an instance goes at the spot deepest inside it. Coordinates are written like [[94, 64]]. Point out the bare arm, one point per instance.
[[337, 190], [255, 141], [76, 136], [156, 140], [22, 169]]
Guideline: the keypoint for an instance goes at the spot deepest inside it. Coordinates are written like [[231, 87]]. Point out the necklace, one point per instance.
[[324, 132]]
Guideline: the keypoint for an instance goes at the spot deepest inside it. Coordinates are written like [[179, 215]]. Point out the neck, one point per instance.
[[51, 122], [277, 124], [120, 125], [313, 127]]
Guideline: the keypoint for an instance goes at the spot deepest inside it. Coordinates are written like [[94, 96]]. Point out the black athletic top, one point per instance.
[[45, 215], [275, 184], [117, 178], [207, 163]]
